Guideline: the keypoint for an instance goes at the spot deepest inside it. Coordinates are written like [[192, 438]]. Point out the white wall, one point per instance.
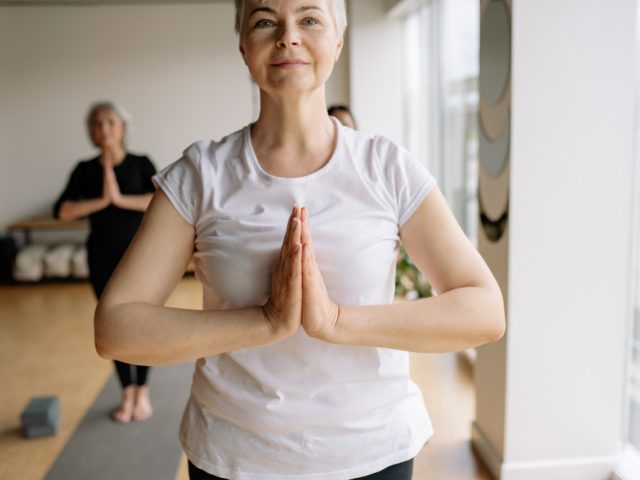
[[376, 68], [176, 68]]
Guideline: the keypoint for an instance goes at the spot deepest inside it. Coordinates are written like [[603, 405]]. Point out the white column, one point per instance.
[[550, 396]]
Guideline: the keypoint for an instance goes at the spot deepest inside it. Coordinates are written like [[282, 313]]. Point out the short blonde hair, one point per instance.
[[338, 10], [109, 106]]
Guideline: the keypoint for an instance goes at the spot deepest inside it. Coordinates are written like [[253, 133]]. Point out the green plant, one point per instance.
[[410, 283]]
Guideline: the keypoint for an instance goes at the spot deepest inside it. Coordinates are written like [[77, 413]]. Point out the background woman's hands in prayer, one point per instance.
[[110, 187], [283, 310]]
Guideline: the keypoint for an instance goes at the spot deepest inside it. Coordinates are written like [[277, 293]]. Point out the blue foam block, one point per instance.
[[41, 417]]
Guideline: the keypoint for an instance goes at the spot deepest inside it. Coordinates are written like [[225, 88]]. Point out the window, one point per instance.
[[441, 99]]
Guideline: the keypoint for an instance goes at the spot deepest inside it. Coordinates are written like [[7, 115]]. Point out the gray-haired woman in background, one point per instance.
[[113, 189], [294, 223]]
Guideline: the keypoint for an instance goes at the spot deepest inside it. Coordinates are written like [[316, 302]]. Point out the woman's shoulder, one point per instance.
[[138, 157], [373, 147], [215, 151], [138, 161], [87, 164]]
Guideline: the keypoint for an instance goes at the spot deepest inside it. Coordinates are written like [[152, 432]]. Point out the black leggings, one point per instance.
[[399, 471], [131, 374]]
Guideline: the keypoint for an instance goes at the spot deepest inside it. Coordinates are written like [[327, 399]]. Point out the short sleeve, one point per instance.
[[409, 182], [182, 183]]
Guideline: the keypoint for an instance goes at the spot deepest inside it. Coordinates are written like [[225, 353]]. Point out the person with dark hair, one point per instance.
[[113, 189], [343, 114], [294, 224]]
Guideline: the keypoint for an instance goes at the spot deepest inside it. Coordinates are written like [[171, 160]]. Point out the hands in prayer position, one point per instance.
[[299, 296], [110, 189]]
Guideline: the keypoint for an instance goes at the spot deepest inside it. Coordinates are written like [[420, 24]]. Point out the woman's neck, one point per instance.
[[293, 137], [290, 145], [292, 124], [115, 155]]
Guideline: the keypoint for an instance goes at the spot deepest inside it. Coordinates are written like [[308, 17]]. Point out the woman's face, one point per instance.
[[289, 46], [107, 129]]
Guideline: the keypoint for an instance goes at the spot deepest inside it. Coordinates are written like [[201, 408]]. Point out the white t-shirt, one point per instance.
[[300, 408]]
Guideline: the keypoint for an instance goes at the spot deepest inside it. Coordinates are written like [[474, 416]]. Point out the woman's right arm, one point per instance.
[[71, 210], [133, 325], [71, 205]]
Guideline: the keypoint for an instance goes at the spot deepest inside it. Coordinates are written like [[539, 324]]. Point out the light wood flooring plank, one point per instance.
[[46, 348]]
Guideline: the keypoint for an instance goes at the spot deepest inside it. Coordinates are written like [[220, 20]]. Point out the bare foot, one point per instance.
[[124, 412], [142, 409]]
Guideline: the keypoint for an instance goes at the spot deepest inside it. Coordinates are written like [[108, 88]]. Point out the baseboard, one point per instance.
[[582, 468], [587, 468], [483, 447], [629, 466]]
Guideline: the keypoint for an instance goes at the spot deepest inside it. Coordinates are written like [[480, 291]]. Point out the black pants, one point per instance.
[[399, 471], [131, 374]]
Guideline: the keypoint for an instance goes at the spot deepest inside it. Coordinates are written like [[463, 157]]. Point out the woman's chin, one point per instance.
[[107, 145], [291, 88]]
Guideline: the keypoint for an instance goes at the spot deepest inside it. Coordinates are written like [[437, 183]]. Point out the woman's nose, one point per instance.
[[288, 36]]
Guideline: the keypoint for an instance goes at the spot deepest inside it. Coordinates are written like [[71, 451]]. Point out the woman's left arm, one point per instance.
[[468, 310], [138, 203]]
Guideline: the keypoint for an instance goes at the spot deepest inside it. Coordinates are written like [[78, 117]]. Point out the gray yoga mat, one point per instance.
[[101, 449]]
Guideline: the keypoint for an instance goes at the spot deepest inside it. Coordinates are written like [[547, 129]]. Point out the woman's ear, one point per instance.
[[339, 48], [241, 48]]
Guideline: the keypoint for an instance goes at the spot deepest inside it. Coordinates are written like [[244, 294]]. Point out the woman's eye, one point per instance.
[[264, 23], [309, 21]]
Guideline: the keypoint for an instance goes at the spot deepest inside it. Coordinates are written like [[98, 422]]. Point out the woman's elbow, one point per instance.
[[494, 318], [103, 350], [102, 338], [65, 213], [496, 329]]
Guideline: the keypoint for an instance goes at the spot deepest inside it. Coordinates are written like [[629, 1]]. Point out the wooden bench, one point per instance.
[[26, 227]]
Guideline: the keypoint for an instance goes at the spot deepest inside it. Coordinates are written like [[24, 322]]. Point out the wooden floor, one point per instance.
[[46, 348]]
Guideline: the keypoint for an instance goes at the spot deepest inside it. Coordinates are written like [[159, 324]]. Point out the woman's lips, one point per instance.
[[289, 64]]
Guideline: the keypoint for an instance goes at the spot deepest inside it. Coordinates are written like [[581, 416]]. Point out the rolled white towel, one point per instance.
[[79, 262], [29, 263], [57, 261]]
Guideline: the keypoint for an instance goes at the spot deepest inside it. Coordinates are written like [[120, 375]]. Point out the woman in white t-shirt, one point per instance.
[[294, 224]]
